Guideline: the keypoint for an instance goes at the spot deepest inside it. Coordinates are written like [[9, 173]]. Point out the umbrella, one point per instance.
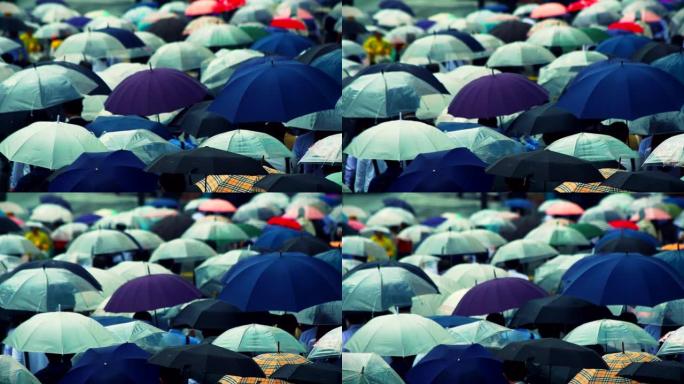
[[471, 274], [483, 332], [206, 362], [254, 86], [127, 38], [525, 250], [171, 227], [545, 166], [306, 245], [520, 54], [667, 153], [206, 160], [645, 180], [183, 249], [256, 145], [124, 363], [211, 314], [457, 364], [367, 368], [398, 335], [328, 120], [511, 30], [546, 118], [154, 91], [308, 373], [362, 247], [662, 372], [93, 44], [624, 244], [220, 35], [297, 183], [325, 151], [222, 67], [451, 243], [616, 362], [447, 171], [212, 231], [313, 282], [548, 10], [508, 93], [622, 46], [257, 338], [557, 235], [13, 372], [151, 292], [282, 44], [654, 51], [672, 64], [592, 147], [271, 362], [208, 275], [436, 48], [565, 311], [560, 36], [398, 140], [488, 144], [101, 242], [674, 258], [129, 270], [613, 334], [118, 171], [60, 333], [586, 96], [498, 295], [144, 144], [600, 280], [169, 28], [182, 56], [104, 124]]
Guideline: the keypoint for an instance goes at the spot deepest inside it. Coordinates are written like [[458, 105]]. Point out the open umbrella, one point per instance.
[[183, 249], [220, 35], [124, 363], [498, 295], [282, 44], [129, 270], [519, 54], [297, 183], [645, 181], [257, 338], [616, 362], [488, 144], [654, 372], [612, 334], [151, 292], [94, 44], [511, 30], [456, 364], [436, 48], [451, 243], [592, 147], [370, 368], [13, 372], [545, 166], [524, 250], [212, 315], [565, 311]]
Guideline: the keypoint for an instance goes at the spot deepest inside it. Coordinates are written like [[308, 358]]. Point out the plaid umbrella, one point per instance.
[[228, 379], [616, 361], [232, 183], [573, 187], [270, 362]]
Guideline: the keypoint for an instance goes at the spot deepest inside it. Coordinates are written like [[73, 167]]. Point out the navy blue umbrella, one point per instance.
[[622, 91], [164, 202], [112, 320], [78, 21], [104, 124], [127, 38], [330, 64], [457, 364], [118, 171], [280, 282], [398, 203], [674, 258], [121, 363], [88, 218], [396, 4], [627, 240], [444, 171], [519, 203], [264, 92], [623, 46], [273, 237], [54, 199], [284, 44], [622, 279]]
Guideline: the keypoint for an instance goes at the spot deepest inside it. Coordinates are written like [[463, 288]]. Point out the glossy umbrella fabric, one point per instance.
[[415, 70], [458, 364], [545, 165], [498, 295], [123, 363], [558, 310], [444, 171], [212, 314], [255, 283], [152, 292], [622, 46], [506, 93], [661, 372], [370, 368], [622, 91], [282, 44], [618, 244], [297, 183], [206, 161], [641, 181], [118, 171], [602, 279], [155, 91], [545, 118], [262, 92]]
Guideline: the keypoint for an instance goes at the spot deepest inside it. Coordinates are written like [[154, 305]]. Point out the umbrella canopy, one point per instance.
[[600, 280], [507, 92], [129, 270], [124, 363], [560, 36], [654, 372], [545, 118], [565, 311], [525, 250], [613, 334], [457, 363], [102, 242], [520, 54], [511, 30], [181, 56], [220, 35], [282, 44], [368, 368], [498, 295], [257, 338], [60, 333], [13, 372], [214, 231], [183, 249], [488, 144], [451, 243], [471, 274], [557, 235], [398, 335], [616, 362], [436, 48], [545, 166], [212, 315], [622, 46], [308, 373], [155, 91], [592, 147], [94, 44], [152, 292]]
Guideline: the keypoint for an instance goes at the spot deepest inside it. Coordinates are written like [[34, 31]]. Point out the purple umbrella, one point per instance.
[[155, 91], [151, 292], [498, 295], [497, 95]]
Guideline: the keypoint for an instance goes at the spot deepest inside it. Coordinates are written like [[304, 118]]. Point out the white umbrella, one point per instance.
[[392, 18], [326, 151], [451, 243], [17, 245], [219, 69], [181, 250], [520, 54], [468, 275], [118, 72], [55, 30], [436, 49], [670, 152], [129, 270], [109, 22], [249, 143], [100, 242], [49, 145], [182, 55], [219, 35], [362, 247], [525, 250], [391, 217], [152, 43], [147, 240], [97, 45], [146, 145]]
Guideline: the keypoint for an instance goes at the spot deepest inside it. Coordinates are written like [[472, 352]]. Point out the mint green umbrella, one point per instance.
[[12, 372], [399, 335], [481, 332], [61, 333], [249, 143], [669, 152], [436, 48], [92, 44], [140, 333], [367, 368], [129, 270], [669, 313], [257, 338], [148, 240], [593, 147], [549, 274], [182, 55], [488, 238], [100, 242], [451, 243], [219, 35], [16, 245], [560, 36], [183, 249], [398, 140], [486, 143], [329, 345], [218, 70], [208, 274], [557, 235], [520, 54], [614, 334], [524, 250], [429, 305], [674, 343], [575, 60], [89, 300], [219, 231], [468, 275]]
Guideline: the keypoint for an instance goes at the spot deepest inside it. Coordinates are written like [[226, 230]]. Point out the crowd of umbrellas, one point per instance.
[[210, 95], [199, 291], [522, 291], [579, 96]]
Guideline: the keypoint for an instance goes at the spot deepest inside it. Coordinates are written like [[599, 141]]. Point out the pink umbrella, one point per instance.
[[355, 224], [216, 205], [548, 10], [651, 214], [309, 212], [643, 15], [564, 208]]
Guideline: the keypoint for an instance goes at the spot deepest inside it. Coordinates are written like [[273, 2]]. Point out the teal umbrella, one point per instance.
[[367, 368], [219, 35], [218, 231], [100, 242], [613, 334], [329, 345], [61, 333], [557, 235], [486, 143], [593, 147], [257, 338], [249, 143], [12, 372], [183, 249], [399, 335]]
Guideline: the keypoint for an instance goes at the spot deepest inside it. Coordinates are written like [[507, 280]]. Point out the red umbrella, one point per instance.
[[548, 10], [289, 23], [580, 5], [211, 7], [284, 222], [623, 224], [627, 26]]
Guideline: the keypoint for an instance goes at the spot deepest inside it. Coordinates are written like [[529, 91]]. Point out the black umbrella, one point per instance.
[[316, 373], [211, 314], [306, 244], [352, 27], [415, 70], [655, 372], [206, 161], [170, 29], [199, 122], [511, 31], [394, 264], [172, 227], [645, 181], [329, 313], [660, 123], [206, 363], [543, 165], [12, 24], [565, 311], [311, 54], [620, 244], [50, 264], [297, 183], [545, 118], [7, 226], [102, 87], [653, 51]]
